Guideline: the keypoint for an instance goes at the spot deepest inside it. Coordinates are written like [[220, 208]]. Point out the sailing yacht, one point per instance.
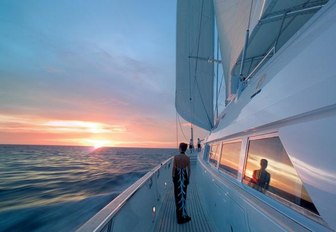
[[268, 163]]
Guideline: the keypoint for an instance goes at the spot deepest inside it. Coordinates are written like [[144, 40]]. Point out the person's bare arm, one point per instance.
[[174, 168], [189, 169]]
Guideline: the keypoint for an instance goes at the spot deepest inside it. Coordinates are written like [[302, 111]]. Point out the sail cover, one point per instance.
[[233, 18], [271, 23], [194, 72]]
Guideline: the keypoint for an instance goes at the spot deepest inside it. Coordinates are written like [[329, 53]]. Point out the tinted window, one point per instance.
[[214, 154], [230, 155], [280, 174]]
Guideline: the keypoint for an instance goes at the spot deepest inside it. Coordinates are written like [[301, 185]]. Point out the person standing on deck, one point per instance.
[[181, 177], [199, 146], [191, 145]]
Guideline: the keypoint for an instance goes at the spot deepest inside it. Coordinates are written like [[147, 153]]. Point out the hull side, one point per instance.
[[292, 96]]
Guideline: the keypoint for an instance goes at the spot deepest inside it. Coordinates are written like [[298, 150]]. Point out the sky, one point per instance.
[[94, 73]]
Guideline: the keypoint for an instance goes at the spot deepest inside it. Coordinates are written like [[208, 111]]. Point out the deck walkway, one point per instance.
[[167, 221]]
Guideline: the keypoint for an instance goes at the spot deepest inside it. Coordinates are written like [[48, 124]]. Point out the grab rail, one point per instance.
[[271, 51]]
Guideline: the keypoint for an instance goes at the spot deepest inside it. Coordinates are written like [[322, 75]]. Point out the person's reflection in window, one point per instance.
[[261, 178]]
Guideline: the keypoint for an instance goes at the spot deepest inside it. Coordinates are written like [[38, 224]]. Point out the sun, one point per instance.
[[97, 143]]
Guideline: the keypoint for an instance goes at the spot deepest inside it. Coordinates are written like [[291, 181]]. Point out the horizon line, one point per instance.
[[67, 145]]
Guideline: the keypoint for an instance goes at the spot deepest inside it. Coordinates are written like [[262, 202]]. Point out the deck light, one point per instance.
[[153, 214]]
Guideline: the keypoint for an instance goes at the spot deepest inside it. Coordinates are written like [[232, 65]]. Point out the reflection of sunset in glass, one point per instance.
[[315, 176], [283, 174], [231, 154]]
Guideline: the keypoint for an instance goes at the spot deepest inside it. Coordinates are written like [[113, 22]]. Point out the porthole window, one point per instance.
[[214, 154], [230, 155], [269, 170]]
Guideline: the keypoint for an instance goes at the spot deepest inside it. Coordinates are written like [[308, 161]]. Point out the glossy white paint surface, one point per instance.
[[297, 100], [311, 146], [299, 79]]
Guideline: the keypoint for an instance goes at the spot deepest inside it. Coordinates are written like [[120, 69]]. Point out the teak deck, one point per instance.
[[167, 222]]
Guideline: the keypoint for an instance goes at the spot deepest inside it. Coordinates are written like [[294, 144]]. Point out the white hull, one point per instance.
[[293, 97], [236, 207]]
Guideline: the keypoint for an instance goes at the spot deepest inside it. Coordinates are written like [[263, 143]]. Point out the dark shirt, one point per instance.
[[261, 178]]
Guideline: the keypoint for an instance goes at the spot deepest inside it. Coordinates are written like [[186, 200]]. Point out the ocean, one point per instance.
[[58, 188]]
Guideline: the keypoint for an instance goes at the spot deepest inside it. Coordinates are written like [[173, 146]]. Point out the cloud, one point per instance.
[[135, 131], [106, 66], [26, 123]]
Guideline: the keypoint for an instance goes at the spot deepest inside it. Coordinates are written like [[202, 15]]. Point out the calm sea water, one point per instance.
[[55, 188]]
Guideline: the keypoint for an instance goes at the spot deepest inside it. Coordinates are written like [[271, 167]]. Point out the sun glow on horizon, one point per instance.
[[97, 146], [98, 143], [38, 130], [78, 126]]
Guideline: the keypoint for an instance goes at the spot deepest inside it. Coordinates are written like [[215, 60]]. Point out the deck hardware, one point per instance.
[[153, 213], [256, 93], [109, 226], [150, 183]]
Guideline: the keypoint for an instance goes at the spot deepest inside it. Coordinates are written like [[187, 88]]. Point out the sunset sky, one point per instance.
[[88, 73]]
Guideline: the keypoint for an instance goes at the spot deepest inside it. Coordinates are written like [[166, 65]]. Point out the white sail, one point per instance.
[[194, 72], [232, 17], [271, 24]]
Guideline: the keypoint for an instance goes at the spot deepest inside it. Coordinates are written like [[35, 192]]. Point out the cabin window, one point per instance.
[[230, 156], [279, 179], [214, 154]]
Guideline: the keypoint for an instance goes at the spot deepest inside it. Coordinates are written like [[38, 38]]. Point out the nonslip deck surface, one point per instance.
[[167, 221]]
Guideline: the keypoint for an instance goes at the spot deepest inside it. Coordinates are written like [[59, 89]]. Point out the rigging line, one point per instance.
[[217, 90], [176, 130], [178, 118], [244, 51], [220, 85], [190, 98], [191, 109], [196, 65]]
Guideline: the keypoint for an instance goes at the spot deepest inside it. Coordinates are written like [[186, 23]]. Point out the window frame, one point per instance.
[[222, 170], [219, 144], [271, 195]]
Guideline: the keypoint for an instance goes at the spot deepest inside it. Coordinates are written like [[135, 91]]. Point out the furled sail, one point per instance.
[[233, 18], [251, 31], [194, 72]]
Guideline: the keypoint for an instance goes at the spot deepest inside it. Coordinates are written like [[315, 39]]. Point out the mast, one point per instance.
[[217, 90], [191, 135]]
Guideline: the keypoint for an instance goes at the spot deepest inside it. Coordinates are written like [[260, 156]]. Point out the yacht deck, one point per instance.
[[167, 222]]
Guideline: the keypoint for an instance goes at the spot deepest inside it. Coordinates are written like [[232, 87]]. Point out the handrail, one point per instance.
[[262, 61], [105, 215], [290, 12]]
